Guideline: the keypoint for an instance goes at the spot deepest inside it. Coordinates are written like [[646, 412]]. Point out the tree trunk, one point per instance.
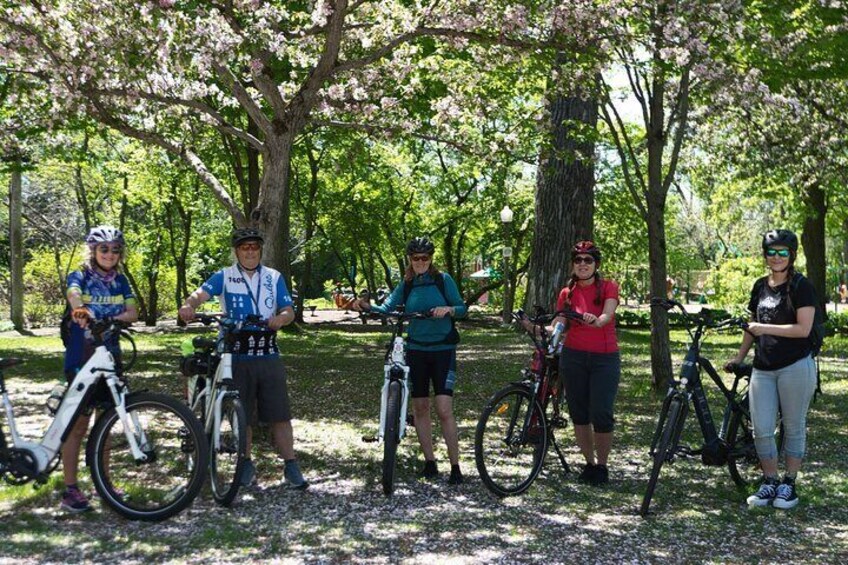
[[813, 240], [16, 247], [657, 250], [271, 214], [564, 199]]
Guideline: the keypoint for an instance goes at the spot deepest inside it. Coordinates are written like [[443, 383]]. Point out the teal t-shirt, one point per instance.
[[424, 297]]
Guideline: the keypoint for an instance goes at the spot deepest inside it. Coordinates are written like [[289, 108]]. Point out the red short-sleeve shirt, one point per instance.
[[582, 299]]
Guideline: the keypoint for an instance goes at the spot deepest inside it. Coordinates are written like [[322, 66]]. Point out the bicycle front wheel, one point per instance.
[[391, 437], [742, 460], [174, 467], [228, 451], [664, 449], [511, 441]]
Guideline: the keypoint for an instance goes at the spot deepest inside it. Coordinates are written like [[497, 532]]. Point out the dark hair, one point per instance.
[[598, 286]]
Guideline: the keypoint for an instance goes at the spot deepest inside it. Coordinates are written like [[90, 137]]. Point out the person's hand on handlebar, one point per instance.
[[756, 329], [442, 311], [361, 305], [81, 316], [186, 313]]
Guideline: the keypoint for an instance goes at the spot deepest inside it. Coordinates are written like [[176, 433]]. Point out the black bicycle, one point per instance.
[[518, 422], [733, 443]]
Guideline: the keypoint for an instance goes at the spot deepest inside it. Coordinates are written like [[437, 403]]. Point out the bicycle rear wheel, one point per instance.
[[509, 447], [391, 437], [228, 451], [176, 458], [664, 448], [742, 460]]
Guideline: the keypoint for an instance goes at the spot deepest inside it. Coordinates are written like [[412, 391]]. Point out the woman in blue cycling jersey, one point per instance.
[[431, 348], [98, 290]]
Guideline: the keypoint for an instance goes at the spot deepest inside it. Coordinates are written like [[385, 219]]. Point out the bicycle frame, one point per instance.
[[690, 388], [101, 365]]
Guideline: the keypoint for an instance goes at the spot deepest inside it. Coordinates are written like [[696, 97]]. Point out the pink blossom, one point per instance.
[[167, 3]]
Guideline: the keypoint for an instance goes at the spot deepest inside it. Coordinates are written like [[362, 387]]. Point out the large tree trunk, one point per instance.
[[271, 214], [16, 247], [564, 199], [813, 240]]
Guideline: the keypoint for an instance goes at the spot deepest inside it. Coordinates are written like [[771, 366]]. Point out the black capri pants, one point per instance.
[[591, 384]]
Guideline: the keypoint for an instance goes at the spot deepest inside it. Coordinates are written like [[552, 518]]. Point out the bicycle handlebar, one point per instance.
[[400, 316], [541, 319], [230, 324], [705, 317]]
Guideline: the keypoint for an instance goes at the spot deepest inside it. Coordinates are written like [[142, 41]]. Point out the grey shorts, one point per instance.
[[261, 383]]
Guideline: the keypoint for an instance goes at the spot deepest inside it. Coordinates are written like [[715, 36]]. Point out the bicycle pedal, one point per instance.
[[559, 422]]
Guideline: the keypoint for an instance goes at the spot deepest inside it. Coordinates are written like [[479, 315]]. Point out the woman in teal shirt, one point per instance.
[[431, 348]]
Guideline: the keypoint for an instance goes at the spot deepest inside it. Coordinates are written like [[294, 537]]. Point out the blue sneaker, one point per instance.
[[294, 478]]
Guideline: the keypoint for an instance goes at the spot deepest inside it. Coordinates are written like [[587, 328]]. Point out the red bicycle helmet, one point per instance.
[[586, 247]]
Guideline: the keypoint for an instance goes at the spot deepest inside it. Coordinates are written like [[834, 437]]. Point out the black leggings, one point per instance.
[[591, 384]]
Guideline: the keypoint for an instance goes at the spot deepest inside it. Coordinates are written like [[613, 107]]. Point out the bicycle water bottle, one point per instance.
[[554, 343], [55, 398]]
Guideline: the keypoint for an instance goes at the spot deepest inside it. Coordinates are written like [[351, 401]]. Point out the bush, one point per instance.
[[837, 323], [732, 280]]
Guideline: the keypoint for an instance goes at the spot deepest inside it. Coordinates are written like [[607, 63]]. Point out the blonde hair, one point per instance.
[[89, 258]]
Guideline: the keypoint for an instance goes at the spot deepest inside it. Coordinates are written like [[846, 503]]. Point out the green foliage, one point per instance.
[[732, 280]]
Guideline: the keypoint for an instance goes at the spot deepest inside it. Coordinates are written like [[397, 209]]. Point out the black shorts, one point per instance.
[[261, 383], [437, 367]]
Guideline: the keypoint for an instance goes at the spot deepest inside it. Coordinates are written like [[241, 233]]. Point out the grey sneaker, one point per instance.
[[787, 495], [294, 478], [766, 494]]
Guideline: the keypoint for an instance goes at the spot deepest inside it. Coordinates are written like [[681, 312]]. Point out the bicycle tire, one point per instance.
[[508, 456], [742, 460], [670, 430], [227, 461], [128, 354], [391, 437], [178, 454]]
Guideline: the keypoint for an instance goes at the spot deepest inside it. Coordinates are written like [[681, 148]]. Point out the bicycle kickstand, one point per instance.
[[565, 468]]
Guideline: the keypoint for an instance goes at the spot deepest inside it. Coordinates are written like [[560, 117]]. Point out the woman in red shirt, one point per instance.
[[590, 364]]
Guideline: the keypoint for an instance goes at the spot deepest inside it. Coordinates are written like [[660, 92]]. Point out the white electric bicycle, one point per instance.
[[214, 398], [146, 451], [395, 396]]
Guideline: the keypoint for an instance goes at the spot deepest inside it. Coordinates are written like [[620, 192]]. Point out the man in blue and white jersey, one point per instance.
[[249, 288]]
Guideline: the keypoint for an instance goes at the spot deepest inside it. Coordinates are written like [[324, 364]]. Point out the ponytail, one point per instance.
[[572, 282]]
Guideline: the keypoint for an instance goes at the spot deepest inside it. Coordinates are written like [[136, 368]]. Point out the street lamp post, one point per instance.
[[506, 221]]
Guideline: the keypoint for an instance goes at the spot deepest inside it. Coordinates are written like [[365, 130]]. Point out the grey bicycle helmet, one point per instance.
[[420, 245], [781, 237], [104, 234], [240, 235]]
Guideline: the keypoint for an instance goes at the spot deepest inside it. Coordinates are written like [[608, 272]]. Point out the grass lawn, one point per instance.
[[335, 379]]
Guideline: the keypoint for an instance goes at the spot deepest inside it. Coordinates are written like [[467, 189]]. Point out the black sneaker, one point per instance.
[[248, 473], [587, 475], [455, 476], [601, 476], [429, 471], [766, 494], [74, 501], [787, 496]]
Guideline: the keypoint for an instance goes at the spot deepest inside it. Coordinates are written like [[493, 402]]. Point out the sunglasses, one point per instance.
[[250, 247], [777, 252], [419, 258], [104, 249], [583, 260]]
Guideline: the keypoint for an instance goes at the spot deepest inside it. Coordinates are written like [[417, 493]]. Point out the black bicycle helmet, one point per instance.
[[586, 247], [420, 245], [781, 237], [240, 235], [104, 234]]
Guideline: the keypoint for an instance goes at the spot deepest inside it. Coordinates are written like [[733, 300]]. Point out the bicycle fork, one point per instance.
[[394, 372]]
